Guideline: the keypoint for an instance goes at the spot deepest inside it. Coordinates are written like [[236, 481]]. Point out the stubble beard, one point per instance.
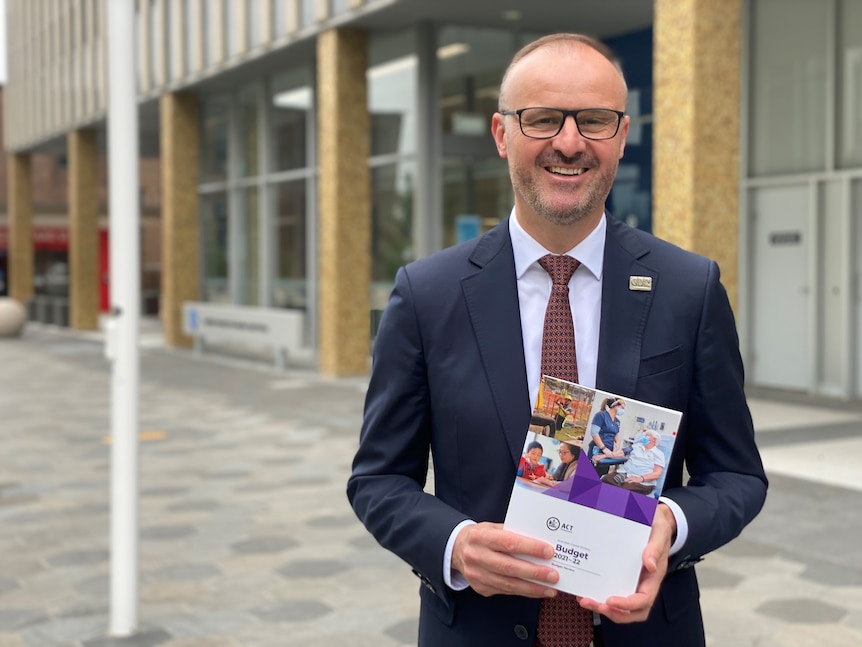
[[595, 194]]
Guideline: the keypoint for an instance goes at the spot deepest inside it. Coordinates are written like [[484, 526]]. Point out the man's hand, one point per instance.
[[485, 554], [636, 607]]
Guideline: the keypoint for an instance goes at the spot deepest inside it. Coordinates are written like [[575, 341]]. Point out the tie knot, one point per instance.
[[560, 267]]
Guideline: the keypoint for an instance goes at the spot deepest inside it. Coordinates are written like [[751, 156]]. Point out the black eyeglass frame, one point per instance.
[[566, 114]]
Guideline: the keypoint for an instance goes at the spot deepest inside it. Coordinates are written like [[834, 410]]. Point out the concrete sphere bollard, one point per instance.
[[13, 316]]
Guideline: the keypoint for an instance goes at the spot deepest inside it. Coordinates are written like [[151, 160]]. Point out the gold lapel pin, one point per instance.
[[640, 283]]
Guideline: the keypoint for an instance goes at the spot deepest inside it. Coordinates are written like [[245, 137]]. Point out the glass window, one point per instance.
[[153, 51], [253, 9], [280, 18], [788, 124], [471, 63], [477, 193], [290, 286], [214, 257], [170, 47], [831, 287], [306, 13], [214, 129], [391, 226], [340, 6], [392, 94], [630, 198], [849, 84], [249, 248], [192, 32], [231, 40], [476, 196], [292, 101], [248, 127], [211, 9]]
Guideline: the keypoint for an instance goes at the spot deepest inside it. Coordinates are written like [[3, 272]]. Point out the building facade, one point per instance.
[[308, 148]]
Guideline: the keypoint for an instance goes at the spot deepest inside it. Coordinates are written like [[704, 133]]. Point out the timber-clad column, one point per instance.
[[696, 91], [20, 227], [83, 230], [180, 212], [344, 203]]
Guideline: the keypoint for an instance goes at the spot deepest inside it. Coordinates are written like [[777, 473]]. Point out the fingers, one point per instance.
[[637, 607], [486, 555]]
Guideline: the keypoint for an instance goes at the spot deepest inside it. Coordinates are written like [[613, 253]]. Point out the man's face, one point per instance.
[[567, 178]]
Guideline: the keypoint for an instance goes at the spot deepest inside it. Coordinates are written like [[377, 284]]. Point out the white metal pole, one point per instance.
[[125, 304]]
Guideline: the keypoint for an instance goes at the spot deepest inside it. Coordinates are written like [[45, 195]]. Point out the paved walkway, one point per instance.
[[247, 538]]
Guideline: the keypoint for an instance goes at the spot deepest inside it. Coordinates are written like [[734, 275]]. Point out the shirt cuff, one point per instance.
[[453, 579], [681, 524]]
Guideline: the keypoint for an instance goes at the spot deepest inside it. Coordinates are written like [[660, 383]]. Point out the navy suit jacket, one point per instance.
[[449, 375]]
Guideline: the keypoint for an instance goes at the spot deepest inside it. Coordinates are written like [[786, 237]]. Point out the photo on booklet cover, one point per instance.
[[627, 443]]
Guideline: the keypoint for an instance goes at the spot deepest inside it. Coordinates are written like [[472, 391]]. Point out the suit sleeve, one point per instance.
[[727, 485], [386, 487]]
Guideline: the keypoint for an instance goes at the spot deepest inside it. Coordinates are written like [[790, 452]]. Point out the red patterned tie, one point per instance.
[[562, 621]]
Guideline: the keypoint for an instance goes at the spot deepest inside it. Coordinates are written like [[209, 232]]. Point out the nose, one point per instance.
[[569, 140]]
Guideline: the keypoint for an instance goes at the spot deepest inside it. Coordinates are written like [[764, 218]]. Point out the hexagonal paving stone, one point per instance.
[[332, 521], [164, 491], [292, 611], [15, 619], [7, 585], [363, 542], [312, 568], [200, 505], [99, 585], [264, 545], [714, 578], [405, 631], [805, 610], [148, 638], [177, 572], [79, 557], [166, 532], [832, 574]]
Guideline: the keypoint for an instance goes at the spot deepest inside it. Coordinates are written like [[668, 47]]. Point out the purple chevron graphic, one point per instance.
[[586, 488]]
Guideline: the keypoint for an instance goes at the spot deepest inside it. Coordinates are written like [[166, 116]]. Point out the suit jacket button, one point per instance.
[[521, 632]]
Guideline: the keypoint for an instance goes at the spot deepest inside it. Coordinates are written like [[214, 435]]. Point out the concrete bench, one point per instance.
[[281, 331]]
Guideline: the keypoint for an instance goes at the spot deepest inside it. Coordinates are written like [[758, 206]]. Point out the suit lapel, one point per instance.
[[491, 295], [624, 311]]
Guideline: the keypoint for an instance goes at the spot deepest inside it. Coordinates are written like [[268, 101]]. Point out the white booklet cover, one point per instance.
[[597, 512]]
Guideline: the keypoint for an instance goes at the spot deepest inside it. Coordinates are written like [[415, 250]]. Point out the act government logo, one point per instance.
[[553, 523]]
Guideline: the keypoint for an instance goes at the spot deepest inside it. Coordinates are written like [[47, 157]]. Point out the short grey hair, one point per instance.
[[557, 40]]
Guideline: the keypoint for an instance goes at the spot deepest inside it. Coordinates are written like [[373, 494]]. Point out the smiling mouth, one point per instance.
[[559, 170]]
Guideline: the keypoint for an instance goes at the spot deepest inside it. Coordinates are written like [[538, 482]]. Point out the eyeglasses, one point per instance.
[[544, 123], [563, 451]]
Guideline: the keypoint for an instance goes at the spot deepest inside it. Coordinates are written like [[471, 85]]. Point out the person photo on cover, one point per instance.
[[530, 466], [568, 453], [605, 429], [564, 410], [644, 464], [458, 359]]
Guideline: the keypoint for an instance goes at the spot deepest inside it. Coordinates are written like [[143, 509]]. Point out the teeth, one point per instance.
[[567, 171]]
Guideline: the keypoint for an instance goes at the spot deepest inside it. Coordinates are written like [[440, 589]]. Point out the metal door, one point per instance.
[[780, 304]]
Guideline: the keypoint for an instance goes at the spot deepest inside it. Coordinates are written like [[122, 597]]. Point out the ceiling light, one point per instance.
[[455, 49]]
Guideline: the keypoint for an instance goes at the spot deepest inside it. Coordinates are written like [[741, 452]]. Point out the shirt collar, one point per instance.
[[590, 251]]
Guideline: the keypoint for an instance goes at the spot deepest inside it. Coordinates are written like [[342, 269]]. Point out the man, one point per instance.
[[564, 410], [457, 363], [643, 467]]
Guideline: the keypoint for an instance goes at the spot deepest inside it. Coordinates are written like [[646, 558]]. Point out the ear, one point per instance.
[[624, 127], [498, 130]]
